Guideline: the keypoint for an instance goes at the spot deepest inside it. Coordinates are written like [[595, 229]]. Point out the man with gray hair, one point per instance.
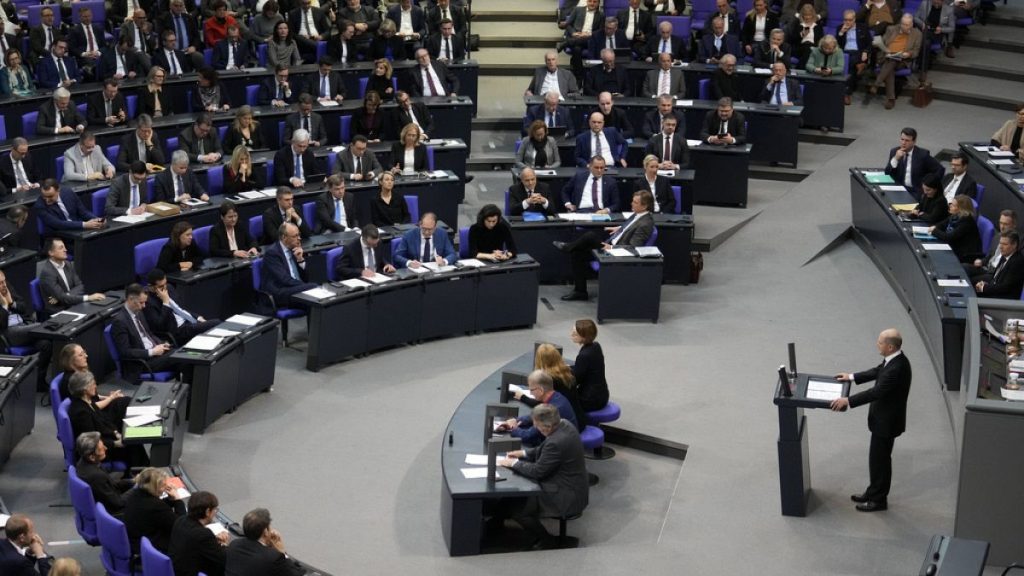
[[141, 145], [105, 489], [179, 184], [295, 163], [550, 78], [59, 115], [284, 268], [542, 389], [17, 171], [559, 466], [84, 163]]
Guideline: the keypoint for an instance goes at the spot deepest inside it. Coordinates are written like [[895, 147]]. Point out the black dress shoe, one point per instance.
[[571, 296], [872, 506], [858, 498], [559, 244]]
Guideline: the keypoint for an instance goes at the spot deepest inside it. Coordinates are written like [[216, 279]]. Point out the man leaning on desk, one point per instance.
[[363, 257], [62, 211], [126, 193], [83, 162], [591, 190], [139, 348], [724, 126], [425, 244], [281, 212], [58, 282]]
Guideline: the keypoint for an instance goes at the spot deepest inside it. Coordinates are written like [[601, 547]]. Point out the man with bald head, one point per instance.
[[613, 117], [529, 195], [600, 141], [887, 416], [550, 78]]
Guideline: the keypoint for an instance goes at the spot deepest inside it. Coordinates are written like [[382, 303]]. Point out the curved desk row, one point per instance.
[[1003, 190], [416, 307], [17, 401], [913, 272]]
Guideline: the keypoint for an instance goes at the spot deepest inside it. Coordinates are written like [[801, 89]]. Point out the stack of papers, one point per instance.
[[1008, 395], [1018, 181], [420, 270], [204, 343], [68, 314], [5, 371], [1000, 153], [478, 473], [355, 283], [136, 421], [318, 293], [936, 246], [904, 207], [245, 320], [545, 172], [476, 459], [222, 333], [141, 410], [667, 173], [895, 188], [619, 252], [434, 267], [986, 148], [762, 70], [1001, 162], [647, 251], [133, 218], [437, 174], [472, 263], [684, 102], [251, 195], [692, 143], [216, 527], [823, 390], [517, 388], [952, 282], [327, 102], [380, 278]]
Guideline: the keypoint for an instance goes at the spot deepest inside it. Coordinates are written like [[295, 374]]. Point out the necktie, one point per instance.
[[951, 187], [305, 123], [551, 120], [325, 90], [147, 339], [63, 118], [667, 152], [49, 37], [181, 185], [298, 167], [718, 44], [19, 173], [369, 259], [293, 268], [597, 145], [280, 92], [142, 150], [593, 192], [337, 212], [612, 40], [448, 48], [907, 180], [664, 45], [134, 202], [202, 146], [306, 17], [778, 93], [430, 82], [615, 237], [63, 209], [359, 164], [179, 25], [722, 127], [999, 267], [178, 310], [108, 107], [61, 70], [426, 250], [174, 62], [663, 87], [88, 35], [121, 68]]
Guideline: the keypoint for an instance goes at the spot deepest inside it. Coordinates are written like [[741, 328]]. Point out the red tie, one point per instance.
[[430, 82], [593, 193], [88, 33]]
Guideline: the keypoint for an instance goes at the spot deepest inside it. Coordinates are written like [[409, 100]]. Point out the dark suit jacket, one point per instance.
[[170, 258], [108, 64], [419, 156], [79, 42], [733, 23], [325, 213], [166, 22], [771, 22], [54, 220], [129, 346], [967, 186], [104, 490], [863, 35], [222, 100], [573, 191], [559, 466], [380, 47], [187, 141], [129, 152], [517, 195], [538, 112], [37, 40], [662, 192], [268, 92], [566, 81], [450, 81], [351, 263], [730, 45], [334, 49], [377, 129], [57, 296], [160, 318], [590, 377], [317, 129], [964, 237], [735, 126], [317, 18], [146, 515], [10, 182], [193, 549], [220, 56], [277, 279], [763, 57], [652, 123], [418, 17], [272, 221], [87, 417], [219, 246], [1008, 280], [887, 416], [457, 14], [47, 119], [14, 564], [599, 40], [576, 18], [411, 248], [184, 62], [584, 153], [676, 47], [47, 75], [147, 102], [792, 89], [680, 151], [346, 164], [600, 80], [725, 85], [120, 195], [335, 86], [250, 558], [617, 119], [96, 111], [434, 46], [639, 233], [402, 118], [644, 24], [923, 163], [284, 165]]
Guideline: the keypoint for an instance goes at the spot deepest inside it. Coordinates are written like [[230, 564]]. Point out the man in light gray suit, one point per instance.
[[58, 281], [83, 162], [665, 79], [550, 77], [557, 464]]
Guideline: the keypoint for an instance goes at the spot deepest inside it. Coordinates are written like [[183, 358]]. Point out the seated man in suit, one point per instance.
[[326, 84], [308, 25], [262, 550], [363, 257], [17, 171], [550, 78], [307, 120], [600, 141], [558, 465], [283, 212], [633, 232], [665, 42], [294, 163], [58, 282], [355, 163], [166, 316], [608, 77], [168, 57], [443, 10], [336, 210], [105, 489], [277, 91], [21, 553], [140, 146], [669, 146], [986, 266], [17, 320], [42, 37], [409, 112], [107, 107], [958, 181], [446, 46], [138, 347], [193, 548], [231, 53], [529, 195], [541, 385], [62, 211], [717, 44], [201, 141], [610, 37], [84, 162], [590, 190], [119, 61], [86, 41], [179, 183], [187, 34], [11, 225], [920, 160], [127, 193], [550, 113], [637, 25], [57, 69], [284, 266], [664, 80], [781, 90], [431, 78], [614, 117], [725, 83], [59, 115], [1007, 279], [425, 244], [654, 118], [724, 126]]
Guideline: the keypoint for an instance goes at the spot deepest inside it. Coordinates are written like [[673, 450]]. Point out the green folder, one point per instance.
[[144, 431], [880, 179]]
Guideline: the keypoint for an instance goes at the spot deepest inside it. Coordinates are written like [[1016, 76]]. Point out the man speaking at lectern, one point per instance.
[[887, 417]]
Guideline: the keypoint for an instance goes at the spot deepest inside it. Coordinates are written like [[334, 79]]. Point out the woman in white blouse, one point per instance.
[[408, 155]]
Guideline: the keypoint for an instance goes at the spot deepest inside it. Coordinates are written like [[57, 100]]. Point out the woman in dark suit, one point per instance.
[[591, 385], [387, 43], [380, 81], [408, 154], [244, 130], [804, 34], [658, 186], [389, 207], [239, 175], [152, 98], [932, 208], [369, 120], [491, 237], [228, 238], [180, 253], [758, 23], [89, 412], [960, 229], [147, 514]]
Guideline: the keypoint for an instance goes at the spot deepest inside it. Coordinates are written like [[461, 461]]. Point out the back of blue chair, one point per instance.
[[131, 102], [282, 137], [85, 507], [704, 88], [215, 180], [36, 294], [99, 201], [332, 159], [188, 100], [151, 188], [112, 151], [117, 552], [146, 255], [154, 562], [653, 238], [677, 193], [257, 273], [58, 163], [108, 339], [309, 213], [345, 129], [256, 227], [35, 17], [261, 57], [55, 393], [519, 142], [3, 128], [981, 193], [507, 212], [99, 11], [201, 236], [172, 145], [464, 243], [987, 231], [208, 56], [222, 131], [270, 170], [413, 202], [28, 124], [252, 91], [65, 433], [321, 49], [430, 158], [82, 108], [681, 24], [394, 246], [332, 259], [362, 86]]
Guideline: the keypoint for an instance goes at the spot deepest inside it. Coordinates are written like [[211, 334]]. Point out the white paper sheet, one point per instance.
[[952, 282], [477, 473], [824, 390], [692, 143], [892, 188], [222, 333], [936, 246], [919, 229], [545, 172], [355, 283], [667, 173], [419, 270], [472, 263], [216, 527], [5, 370], [74, 315], [327, 103], [619, 252], [648, 251], [517, 388], [684, 102], [1012, 394], [142, 410], [133, 218], [1000, 153], [379, 279], [318, 293], [476, 459], [141, 420], [251, 195], [204, 343], [1001, 162], [244, 320]]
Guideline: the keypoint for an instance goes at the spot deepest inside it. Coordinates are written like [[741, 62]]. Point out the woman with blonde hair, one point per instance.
[[380, 81], [239, 175], [152, 98], [549, 359], [960, 229], [244, 130], [151, 508], [66, 567], [408, 154]]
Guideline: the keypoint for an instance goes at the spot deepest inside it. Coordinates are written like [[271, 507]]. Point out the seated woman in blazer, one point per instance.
[[180, 253], [229, 237], [659, 186], [538, 151], [960, 229], [389, 207], [151, 508], [239, 175], [153, 100], [408, 154], [369, 120], [932, 207], [491, 237], [591, 385], [89, 412]]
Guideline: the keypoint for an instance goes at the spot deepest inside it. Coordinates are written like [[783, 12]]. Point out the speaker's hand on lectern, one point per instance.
[[840, 404], [844, 377]]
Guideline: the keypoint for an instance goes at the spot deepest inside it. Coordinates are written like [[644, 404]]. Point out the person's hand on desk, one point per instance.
[[440, 261], [507, 462], [224, 538], [243, 253], [95, 297], [94, 224], [297, 182], [931, 229], [1004, 148], [413, 264], [844, 377], [140, 209], [840, 404], [570, 207], [185, 266], [606, 246], [507, 425]]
